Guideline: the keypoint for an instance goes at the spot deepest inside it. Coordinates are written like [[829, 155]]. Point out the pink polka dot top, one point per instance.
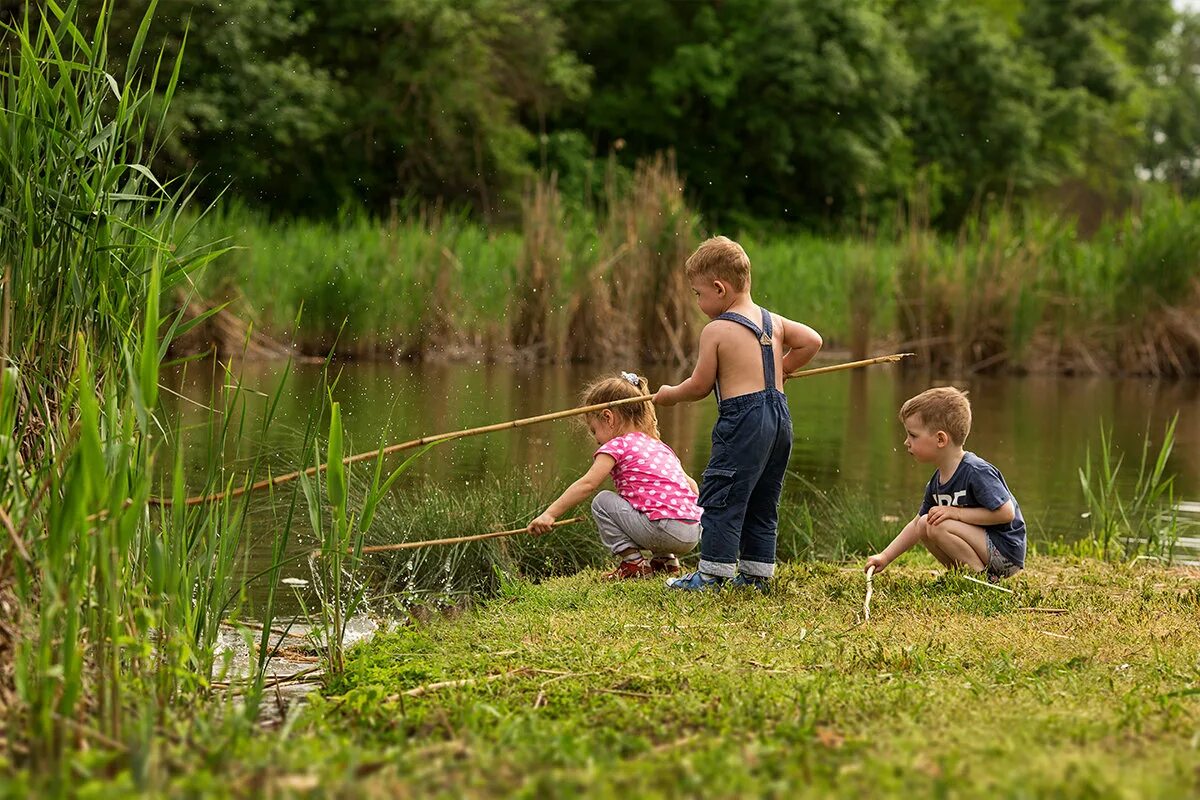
[[649, 476]]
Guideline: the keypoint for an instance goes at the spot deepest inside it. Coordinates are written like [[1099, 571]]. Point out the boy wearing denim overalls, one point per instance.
[[745, 352]]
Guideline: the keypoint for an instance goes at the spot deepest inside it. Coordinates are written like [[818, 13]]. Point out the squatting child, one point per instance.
[[745, 354], [969, 517], [654, 508]]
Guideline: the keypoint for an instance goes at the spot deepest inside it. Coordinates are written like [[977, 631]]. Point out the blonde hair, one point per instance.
[[639, 416], [721, 258], [942, 408]]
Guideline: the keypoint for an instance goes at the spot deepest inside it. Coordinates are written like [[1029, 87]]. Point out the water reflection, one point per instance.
[[1036, 429]]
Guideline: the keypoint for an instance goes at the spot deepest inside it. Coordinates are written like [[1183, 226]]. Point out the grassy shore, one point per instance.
[[576, 687]]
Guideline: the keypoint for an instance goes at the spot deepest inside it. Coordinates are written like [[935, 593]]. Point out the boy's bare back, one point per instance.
[[729, 353]]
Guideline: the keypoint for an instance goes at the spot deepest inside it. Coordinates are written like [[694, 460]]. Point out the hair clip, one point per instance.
[[631, 377]]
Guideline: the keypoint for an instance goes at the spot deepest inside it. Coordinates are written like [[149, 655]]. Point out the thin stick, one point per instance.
[[499, 426], [16, 539], [384, 548], [396, 448], [870, 591], [988, 585], [429, 687], [866, 362], [1056, 635]]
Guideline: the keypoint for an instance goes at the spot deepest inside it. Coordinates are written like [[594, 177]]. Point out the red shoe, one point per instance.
[[628, 570], [665, 565]]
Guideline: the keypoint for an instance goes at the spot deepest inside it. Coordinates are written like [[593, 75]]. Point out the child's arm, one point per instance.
[[575, 493], [700, 384], [901, 544], [973, 516], [803, 343]]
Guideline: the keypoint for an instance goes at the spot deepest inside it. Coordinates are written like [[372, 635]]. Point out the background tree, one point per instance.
[[1172, 148], [985, 116], [821, 113], [774, 108]]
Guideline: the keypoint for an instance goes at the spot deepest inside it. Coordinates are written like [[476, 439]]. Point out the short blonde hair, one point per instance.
[[639, 416], [721, 258], [942, 408]]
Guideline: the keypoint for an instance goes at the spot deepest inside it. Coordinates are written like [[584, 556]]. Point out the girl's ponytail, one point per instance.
[[639, 416], [644, 385]]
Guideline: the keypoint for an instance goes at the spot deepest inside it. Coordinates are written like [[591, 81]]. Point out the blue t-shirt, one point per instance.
[[977, 484]]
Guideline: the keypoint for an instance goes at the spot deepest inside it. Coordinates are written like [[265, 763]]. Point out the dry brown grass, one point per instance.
[[635, 304], [539, 270]]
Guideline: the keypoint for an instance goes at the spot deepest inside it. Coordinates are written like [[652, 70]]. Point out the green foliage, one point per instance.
[[992, 297], [1101, 53], [113, 601], [1130, 522], [1173, 142], [828, 116], [982, 120], [833, 525], [310, 104], [792, 120]]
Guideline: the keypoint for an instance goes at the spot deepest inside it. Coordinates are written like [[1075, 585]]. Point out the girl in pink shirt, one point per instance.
[[654, 507]]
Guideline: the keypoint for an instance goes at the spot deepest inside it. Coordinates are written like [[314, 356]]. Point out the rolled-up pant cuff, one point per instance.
[[759, 569], [717, 568]]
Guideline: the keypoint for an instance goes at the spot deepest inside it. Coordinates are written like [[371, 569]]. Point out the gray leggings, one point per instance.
[[623, 527]]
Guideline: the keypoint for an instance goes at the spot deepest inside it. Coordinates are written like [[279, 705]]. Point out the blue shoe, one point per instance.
[[697, 582], [753, 581]]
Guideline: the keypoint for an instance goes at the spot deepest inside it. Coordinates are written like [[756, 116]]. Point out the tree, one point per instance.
[[1172, 148], [979, 121], [775, 108], [251, 109], [438, 96], [1101, 51]]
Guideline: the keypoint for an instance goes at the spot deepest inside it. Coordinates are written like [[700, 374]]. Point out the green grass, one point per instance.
[[383, 281], [950, 688], [625, 690]]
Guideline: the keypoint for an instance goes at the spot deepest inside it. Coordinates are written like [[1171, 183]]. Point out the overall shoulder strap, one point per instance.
[[764, 336]]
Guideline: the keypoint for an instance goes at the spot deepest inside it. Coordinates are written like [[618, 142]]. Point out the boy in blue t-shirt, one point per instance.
[[969, 517]]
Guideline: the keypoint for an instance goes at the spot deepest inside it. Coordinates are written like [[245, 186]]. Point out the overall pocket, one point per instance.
[[715, 488]]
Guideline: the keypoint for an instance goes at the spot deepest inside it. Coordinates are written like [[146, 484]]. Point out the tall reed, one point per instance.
[[634, 303], [116, 606], [1130, 520], [1015, 289]]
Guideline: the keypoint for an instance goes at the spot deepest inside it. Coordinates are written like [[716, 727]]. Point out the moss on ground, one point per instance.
[[574, 687], [582, 687]]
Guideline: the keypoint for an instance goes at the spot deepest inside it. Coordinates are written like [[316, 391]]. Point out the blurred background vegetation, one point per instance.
[[819, 113]]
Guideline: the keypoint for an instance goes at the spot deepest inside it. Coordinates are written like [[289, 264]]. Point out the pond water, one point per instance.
[[1037, 430]]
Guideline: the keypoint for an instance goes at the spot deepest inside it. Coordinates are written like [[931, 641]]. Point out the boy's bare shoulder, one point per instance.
[[721, 327]]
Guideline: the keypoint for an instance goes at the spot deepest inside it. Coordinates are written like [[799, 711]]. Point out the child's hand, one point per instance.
[[542, 524], [939, 514], [877, 561], [692, 484], [663, 396]]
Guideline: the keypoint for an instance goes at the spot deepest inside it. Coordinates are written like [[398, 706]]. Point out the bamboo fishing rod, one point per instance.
[[384, 548], [499, 426], [866, 362]]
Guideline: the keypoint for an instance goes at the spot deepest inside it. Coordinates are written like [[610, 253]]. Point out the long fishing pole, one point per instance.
[[499, 426], [385, 548]]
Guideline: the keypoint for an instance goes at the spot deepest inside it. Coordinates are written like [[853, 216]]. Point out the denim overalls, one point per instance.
[[751, 443]]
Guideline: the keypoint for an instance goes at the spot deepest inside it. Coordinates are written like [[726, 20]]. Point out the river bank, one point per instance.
[[1012, 292], [1081, 683]]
